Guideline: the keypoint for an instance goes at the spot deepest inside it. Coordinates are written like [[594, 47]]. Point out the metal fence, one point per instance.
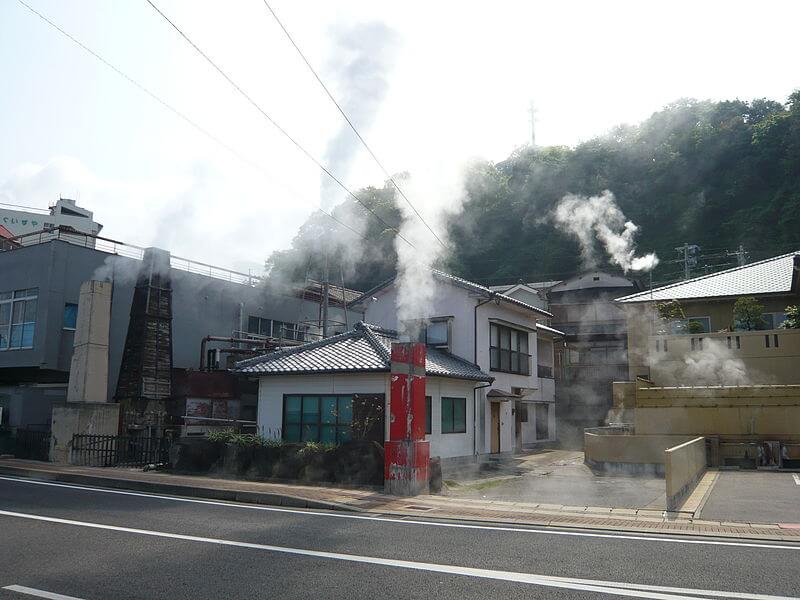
[[118, 451], [32, 444]]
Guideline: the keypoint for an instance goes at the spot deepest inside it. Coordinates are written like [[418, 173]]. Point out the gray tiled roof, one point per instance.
[[771, 276], [366, 348], [466, 284]]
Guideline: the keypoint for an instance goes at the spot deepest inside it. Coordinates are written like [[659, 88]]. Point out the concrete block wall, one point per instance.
[[684, 465]]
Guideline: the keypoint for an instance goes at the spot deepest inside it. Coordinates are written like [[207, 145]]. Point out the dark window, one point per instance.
[[775, 339], [18, 318], [428, 420], [259, 326], [326, 418], [436, 333], [454, 415], [508, 350], [70, 315], [766, 341]]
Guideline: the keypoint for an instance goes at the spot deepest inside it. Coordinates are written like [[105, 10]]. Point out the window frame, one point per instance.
[[451, 411], [522, 358], [318, 422], [64, 324], [7, 330]]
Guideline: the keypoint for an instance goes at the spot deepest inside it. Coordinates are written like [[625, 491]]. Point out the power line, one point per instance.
[[350, 123], [166, 105], [276, 125]]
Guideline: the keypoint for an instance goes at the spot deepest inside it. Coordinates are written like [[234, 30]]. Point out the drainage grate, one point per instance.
[[418, 507]]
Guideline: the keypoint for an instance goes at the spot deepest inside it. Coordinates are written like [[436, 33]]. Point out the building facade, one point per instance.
[[39, 292]]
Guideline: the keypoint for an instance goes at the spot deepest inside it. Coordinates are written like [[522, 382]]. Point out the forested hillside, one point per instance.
[[715, 174]]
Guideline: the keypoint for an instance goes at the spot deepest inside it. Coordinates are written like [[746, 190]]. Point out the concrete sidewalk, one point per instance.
[[299, 496]]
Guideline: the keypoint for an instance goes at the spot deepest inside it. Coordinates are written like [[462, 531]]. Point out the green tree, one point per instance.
[[792, 317], [747, 313]]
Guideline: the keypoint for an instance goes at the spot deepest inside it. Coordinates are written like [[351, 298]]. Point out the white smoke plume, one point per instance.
[[437, 192], [715, 364], [599, 217], [365, 55]]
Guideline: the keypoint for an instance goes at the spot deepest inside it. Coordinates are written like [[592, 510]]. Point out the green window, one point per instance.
[[454, 415], [326, 419]]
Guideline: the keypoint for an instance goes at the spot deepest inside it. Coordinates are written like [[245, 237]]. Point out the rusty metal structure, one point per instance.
[[145, 377]]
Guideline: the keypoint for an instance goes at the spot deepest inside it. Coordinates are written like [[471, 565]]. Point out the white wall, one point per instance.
[[272, 389], [456, 302]]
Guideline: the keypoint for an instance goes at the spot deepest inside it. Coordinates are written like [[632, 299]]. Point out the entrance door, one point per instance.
[[542, 422], [495, 427]]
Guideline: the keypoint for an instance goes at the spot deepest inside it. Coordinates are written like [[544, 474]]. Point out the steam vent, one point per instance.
[[145, 382]]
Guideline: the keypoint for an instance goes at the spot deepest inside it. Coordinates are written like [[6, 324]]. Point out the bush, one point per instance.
[[243, 440]]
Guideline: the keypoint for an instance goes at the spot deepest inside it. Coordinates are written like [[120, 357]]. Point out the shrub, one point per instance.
[[792, 317], [317, 447], [243, 440]]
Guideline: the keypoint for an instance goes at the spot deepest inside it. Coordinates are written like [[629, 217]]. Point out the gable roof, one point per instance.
[[462, 283], [364, 349], [777, 275]]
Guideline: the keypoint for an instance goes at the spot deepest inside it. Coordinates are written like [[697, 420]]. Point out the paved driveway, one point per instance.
[[754, 496], [565, 480]]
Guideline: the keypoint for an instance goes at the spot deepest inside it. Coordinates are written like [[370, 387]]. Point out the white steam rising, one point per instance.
[[365, 55], [599, 217], [715, 364], [438, 194]]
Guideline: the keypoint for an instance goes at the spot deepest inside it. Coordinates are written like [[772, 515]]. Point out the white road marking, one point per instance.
[[21, 589], [796, 478], [399, 521], [589, 585]]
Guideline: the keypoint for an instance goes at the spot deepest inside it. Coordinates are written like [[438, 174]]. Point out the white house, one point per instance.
[[489, 355], [505, 337], [338, 388]]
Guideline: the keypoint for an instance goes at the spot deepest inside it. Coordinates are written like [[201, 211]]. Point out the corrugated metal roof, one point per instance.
[[366, 348], [771, 276]]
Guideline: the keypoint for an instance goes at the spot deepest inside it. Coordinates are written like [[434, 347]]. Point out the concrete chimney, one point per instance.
[[88, 372]]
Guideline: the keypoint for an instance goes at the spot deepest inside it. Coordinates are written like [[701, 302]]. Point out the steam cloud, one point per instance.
[[438, 193], [714, 365], [599, 217], [369, 51]]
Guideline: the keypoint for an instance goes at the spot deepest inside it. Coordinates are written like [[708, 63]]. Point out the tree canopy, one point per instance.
[[715, 174]]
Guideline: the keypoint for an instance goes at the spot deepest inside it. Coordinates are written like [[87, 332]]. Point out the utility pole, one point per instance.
[[689, 252], [741, 255], [532, 111]]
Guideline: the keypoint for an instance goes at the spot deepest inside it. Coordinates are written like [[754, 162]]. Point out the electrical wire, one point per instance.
[[350, 123], [168, 106], [276, 124]]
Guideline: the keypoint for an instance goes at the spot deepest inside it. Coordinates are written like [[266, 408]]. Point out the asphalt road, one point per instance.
[[67, 541], [760, 496]]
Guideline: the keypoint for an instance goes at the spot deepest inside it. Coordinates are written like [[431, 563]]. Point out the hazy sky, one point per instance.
[[463, 77]]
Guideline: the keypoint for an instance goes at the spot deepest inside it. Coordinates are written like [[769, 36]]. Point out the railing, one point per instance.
[[31, 444], [96, 242], [118, 451]]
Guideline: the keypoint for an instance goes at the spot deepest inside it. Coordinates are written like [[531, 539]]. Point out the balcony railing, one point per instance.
[[96, 242]]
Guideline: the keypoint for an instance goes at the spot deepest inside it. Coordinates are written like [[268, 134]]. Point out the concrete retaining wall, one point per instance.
[[625, 452], [684, 466], [96, 418]]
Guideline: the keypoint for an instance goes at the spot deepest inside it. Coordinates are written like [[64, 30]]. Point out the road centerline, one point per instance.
[[598, 586]]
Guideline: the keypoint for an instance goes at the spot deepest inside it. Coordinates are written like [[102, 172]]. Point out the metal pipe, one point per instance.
[[475, 326], [475, 416], [216, 338]]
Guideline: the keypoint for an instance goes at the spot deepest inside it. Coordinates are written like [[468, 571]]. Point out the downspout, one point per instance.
[[475, 416], [475, 361], [475, 326]]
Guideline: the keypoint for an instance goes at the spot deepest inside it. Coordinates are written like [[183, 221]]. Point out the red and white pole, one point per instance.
[[407, 453]]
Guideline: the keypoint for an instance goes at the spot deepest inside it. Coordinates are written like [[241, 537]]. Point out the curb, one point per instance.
[[173, 489]]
